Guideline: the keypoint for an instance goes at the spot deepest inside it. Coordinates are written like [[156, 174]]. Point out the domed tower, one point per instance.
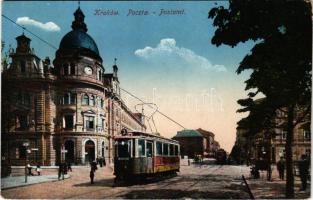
[[81, 129]]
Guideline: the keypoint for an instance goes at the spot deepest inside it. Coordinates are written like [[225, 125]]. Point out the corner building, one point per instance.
[[64, 111]]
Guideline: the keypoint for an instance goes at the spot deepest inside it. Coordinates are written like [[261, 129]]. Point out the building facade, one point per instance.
[[68, 111], [270, 144], [197, 142]]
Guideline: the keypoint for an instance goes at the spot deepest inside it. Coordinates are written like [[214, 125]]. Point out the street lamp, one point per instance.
[[26, 144]]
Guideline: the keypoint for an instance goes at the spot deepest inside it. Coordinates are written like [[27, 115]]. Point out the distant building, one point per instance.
[[209, 146], [191, 143], [197, 142]]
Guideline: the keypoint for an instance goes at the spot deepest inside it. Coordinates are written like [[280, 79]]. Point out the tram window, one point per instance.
[[123, 148], [171, 149], [159, 148], [165, 149], [176, 150], [149, 149], [141, 148]]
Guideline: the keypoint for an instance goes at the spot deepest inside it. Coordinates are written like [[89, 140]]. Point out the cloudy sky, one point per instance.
[[167, 59]]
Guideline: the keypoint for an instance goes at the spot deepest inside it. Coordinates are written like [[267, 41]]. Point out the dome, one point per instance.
[[78, 39]]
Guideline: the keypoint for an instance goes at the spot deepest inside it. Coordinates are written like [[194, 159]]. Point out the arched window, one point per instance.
[[27, 99], [102, 103], [92, 100], [23, 66], [72, 98], [66, 99], [65, 68], [20, 98], [72, 69], [99, 75], [85, 99]]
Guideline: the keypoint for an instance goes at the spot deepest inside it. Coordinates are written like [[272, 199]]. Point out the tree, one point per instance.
[[280, 60]]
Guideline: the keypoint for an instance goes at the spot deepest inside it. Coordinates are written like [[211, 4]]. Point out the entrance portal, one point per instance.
[[89, 151], [69, 155]]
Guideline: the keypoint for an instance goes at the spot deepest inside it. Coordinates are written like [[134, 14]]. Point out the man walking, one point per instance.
[[304, 171], [92, 175], [281, 168]]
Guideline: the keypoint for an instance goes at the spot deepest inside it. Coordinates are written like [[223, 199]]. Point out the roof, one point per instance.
[[188, 133], [78, 39], [205, 133]]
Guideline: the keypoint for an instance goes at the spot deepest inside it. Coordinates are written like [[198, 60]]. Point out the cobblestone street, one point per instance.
[[195, 181], [207, 181]]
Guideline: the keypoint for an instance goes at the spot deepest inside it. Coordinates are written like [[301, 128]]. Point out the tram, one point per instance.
[[139, 154]]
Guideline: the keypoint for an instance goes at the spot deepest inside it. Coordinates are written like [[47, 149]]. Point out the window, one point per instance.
[[20, 98], [26, 99], [72, 69], [72, 98], [89, 122], [92, 100], [283, 134], [141, 148], [102, 103], [102, 123], [123, 148], [69, 121], [171, 149], [85, 99], [23, 66], [149, 149], [22, 151], [66, 99], [23, 122], [159, 148], [65, 68], [306, 134], [176, 150], [165, 149]]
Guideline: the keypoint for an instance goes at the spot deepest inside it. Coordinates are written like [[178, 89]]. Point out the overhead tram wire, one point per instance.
[[52, 46], [152, 107]]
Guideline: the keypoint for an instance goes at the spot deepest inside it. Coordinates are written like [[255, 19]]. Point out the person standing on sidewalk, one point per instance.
[[304, 171], [38, 169], [60, 171], [281, 168], [92, 175]]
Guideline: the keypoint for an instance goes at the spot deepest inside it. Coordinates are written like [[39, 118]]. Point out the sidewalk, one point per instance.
[[18, 181], [275, 189]]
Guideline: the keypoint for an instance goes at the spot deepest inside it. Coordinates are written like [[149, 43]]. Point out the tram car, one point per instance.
[[139, 154], [221, 156]]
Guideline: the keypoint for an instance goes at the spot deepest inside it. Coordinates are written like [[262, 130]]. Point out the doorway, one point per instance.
[[89, 151]]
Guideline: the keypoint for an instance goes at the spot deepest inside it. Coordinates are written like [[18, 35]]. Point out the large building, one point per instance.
[[70, 110], [197, 142], [270, 144]]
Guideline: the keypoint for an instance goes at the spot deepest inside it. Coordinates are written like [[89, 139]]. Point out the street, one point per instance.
[[195, 181]]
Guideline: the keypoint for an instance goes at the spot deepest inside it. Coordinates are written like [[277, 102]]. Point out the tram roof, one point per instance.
[[137, 134]]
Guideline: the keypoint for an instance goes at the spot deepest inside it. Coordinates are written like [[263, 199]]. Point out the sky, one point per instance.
[[165, 59]]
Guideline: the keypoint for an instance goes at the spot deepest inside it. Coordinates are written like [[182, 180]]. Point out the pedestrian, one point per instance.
[[281, 168], [100, 161], [30, 173], [65, 168], [60, 171], [92, 175], [69, 167], [38, 169], [94, 166], [304, 171], [103, 160]]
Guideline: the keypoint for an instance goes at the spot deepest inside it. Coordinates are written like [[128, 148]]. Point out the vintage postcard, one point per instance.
[[156, 99]]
